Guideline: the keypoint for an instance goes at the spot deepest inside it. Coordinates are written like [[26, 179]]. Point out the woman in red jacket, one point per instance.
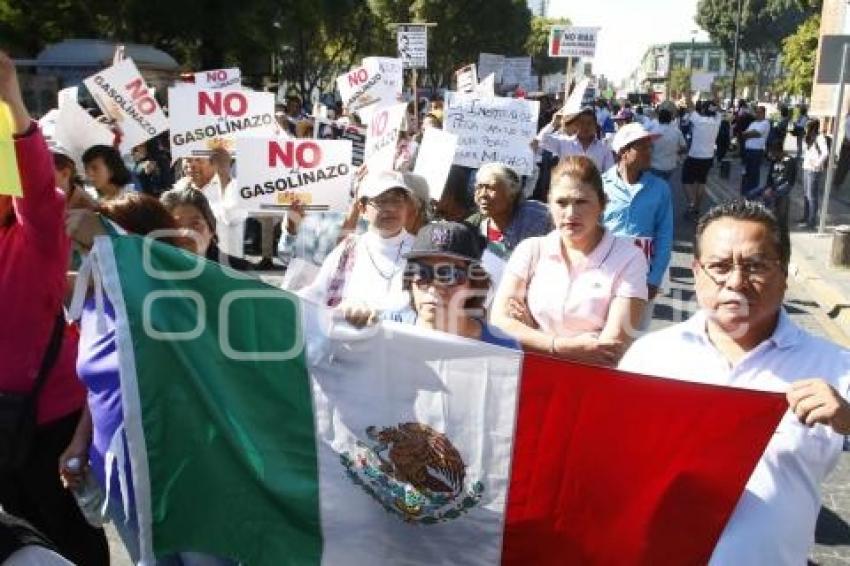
[[33, 259]]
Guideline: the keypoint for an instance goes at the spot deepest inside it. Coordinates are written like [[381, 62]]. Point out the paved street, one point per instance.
[[833, 531]]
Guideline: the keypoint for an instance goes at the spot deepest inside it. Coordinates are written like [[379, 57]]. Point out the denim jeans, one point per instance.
[[751, 160], [811, 196]]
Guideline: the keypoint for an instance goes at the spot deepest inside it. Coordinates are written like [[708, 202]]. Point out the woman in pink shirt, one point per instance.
[[578, 292], [33, 259]]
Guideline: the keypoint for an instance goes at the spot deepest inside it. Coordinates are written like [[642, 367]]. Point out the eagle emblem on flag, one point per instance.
[[414, 472]]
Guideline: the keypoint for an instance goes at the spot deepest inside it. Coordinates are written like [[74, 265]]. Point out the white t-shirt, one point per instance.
[[815, 156], [774, 520], [763, 128], [375, 279], [703, 135], [665, 149]]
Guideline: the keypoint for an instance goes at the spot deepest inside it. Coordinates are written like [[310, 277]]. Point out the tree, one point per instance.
[[798, 55], [680, 82], [764, 24], [537, 45], [464, 29]]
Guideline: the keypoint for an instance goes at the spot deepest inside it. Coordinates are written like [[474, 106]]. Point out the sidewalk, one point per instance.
[[810, 251]]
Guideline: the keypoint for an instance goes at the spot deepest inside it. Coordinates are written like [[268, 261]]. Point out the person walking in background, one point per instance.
[[755, 143], [705, 125], [815, 155]]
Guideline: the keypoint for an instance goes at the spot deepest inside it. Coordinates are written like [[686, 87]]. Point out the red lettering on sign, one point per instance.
[[308, 154], [220, 75], [357, 77], [379, 123], [140, 97], [234, 103]]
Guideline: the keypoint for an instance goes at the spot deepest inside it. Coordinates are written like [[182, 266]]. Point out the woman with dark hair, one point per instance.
[[106, 171], [33, 260], [100, 428], [815, 154], [447, 284], [579, 292], [71, 184], [191, 212]]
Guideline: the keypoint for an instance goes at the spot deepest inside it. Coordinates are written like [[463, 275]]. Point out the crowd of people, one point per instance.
[[566, 264]]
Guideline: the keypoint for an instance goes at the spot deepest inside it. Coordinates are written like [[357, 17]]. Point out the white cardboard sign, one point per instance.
[[487, 87], [204, 119], [123, 95], [76, 131], [467, 78], [382, 134], [490, 63], [492, 129], [274, 172], [219, 78], [376, 83], [435, 159], [413, 46]]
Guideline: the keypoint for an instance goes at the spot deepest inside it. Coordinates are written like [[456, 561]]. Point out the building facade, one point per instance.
[[707, 59]]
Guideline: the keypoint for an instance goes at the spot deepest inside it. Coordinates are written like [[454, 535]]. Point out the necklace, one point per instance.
[[387, 277]]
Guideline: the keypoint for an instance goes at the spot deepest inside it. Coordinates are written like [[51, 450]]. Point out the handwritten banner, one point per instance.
[[219, 78], [382, 136], [123, 95], [492, 129], [275, 172], [204, 119]]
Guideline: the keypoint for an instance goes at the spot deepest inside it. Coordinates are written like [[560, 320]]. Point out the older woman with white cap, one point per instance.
[[364, 272]]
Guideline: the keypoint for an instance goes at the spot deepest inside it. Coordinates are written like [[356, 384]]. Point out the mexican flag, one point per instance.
[[262, 429]]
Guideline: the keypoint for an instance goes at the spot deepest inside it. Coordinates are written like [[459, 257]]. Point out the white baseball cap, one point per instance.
[[631, 133], [380, 182]]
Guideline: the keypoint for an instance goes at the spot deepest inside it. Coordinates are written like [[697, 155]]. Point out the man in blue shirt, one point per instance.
[[639, 203]]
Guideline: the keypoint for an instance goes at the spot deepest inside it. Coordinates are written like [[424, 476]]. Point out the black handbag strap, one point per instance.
[[50, 355]]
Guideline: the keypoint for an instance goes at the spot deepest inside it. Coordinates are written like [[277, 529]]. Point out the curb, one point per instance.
[[833, 306]]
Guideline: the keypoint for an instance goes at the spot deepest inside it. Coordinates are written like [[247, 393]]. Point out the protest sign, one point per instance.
[[204, 119], [378, 82], [576, 99], [434, 160], [516, 70], [10, 179], [572, 41], [492, 129], [413, 46], [67, 95], [219, 78], [487, 87], [702, 81], [76, 131], [123, 95], [382, 136], [490, 63], [274, 172], [328, 130], [466, 78]]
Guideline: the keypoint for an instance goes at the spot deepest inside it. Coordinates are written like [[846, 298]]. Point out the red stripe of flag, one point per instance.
[[615, 468]]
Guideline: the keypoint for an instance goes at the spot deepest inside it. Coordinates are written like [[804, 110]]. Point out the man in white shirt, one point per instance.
[[668, 146], [585, 141], [755, 140], [742, 337], [230, 221], [705, 123]]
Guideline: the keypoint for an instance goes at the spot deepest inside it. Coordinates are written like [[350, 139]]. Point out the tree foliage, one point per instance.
[[764, 24], [680, 81], [799, 51], [537, 45], [311, 41]]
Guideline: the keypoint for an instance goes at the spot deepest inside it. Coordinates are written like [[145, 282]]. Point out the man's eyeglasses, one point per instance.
[[753, 270], [445, 275]]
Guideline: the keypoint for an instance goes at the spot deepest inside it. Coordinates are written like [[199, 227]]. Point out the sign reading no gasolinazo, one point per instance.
[[572, 41]]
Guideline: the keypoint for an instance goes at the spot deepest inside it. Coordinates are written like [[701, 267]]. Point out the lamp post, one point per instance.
[[735, 53]]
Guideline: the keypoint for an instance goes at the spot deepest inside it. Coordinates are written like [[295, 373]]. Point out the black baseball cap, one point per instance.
[[447, 239]]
